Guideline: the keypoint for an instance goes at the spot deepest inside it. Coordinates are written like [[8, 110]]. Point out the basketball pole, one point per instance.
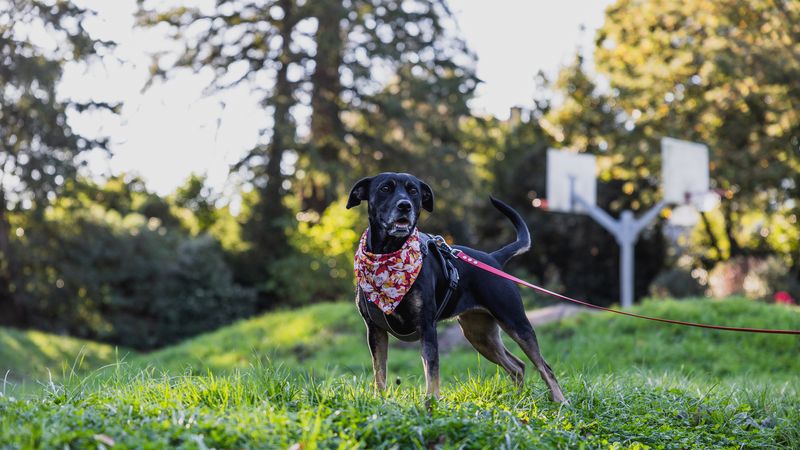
[[626, 232]]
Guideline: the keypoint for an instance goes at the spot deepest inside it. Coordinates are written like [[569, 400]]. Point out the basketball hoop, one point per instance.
[[570, 174], [572, 187]]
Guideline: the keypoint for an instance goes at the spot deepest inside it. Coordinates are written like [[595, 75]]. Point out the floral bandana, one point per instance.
[[386, 278]]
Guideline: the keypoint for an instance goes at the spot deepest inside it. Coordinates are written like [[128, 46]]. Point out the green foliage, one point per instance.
[[631, 384], [386, 85], [37, 146], [136, 281], [677, 282], [320, 267], [720, 73], [198, 201]]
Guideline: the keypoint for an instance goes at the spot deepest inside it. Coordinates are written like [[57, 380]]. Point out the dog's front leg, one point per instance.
[[378, 340], [430, 359]]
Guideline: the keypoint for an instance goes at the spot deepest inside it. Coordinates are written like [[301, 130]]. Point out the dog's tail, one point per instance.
[[523, 242]]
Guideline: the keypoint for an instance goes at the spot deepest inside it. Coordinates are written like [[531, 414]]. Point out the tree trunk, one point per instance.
[[735, 248], [283, 135], [265, 228], [8, 306], [327, 130]]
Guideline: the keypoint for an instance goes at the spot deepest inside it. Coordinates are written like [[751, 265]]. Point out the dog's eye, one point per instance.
[[413, 191], [385, 188]]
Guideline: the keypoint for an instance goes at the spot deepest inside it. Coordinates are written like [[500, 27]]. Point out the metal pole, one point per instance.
[[626, 232], [626, 273], [626, 238]]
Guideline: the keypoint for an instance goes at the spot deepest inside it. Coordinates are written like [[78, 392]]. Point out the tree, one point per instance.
[[110, 262], [198, 199], [367, 71], [401, 85], [37, 146], [724, 73]]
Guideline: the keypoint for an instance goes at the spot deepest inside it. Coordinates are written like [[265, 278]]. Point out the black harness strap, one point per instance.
[[435, 246], [445, 256]]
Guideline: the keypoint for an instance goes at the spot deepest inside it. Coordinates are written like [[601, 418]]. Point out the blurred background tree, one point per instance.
[[723, 73], [38, 149], [115, 262], [381, 85]]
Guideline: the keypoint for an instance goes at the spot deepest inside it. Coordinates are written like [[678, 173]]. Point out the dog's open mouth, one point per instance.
[[401, 226]]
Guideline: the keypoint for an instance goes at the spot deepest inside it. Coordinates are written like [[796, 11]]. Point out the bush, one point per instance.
[[321, 266], [676, 283], [127, 281], [757, 278], [189, 291]]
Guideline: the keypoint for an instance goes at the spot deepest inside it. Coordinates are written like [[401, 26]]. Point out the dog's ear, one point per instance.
[[359, 192], [427, 196]]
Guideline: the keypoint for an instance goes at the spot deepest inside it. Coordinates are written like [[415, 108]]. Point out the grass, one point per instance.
[[302, 378], [30, 356]]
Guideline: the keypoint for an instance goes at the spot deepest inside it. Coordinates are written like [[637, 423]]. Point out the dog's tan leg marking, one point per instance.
[[431, 378], [530, 346], [430, 361], [481, 330], [378, 340]]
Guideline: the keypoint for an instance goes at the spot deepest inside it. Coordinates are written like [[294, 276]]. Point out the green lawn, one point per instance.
[[302, 377], [31, 358]]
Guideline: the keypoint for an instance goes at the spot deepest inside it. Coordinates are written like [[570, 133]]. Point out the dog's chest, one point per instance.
[[410, 307]]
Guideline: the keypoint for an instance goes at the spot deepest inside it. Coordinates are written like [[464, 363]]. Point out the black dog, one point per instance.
[[481, 301]]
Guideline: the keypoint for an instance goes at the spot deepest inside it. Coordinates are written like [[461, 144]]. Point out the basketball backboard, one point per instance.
[[567, 171], [684, 173]]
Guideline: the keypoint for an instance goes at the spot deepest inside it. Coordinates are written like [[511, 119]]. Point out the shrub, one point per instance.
[[126, 280], [676, 283], [757, 278], [322, 259]]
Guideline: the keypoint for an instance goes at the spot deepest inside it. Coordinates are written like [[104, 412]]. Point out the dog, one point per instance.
[[483, 303]]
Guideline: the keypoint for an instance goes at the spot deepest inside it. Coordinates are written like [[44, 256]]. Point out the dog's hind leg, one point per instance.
[[378, 340], [482, 332], [523, 335]]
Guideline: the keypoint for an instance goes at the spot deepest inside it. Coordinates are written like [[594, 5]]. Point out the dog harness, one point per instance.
[[429, 247]]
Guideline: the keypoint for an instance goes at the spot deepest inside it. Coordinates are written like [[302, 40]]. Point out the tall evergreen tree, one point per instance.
[[367, 71]]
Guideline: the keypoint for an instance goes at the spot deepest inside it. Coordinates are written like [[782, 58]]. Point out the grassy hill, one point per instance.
[[27, 357], [303, 377], [330, 338]]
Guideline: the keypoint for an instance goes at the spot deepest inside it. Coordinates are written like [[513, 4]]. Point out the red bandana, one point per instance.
[[386, 278]]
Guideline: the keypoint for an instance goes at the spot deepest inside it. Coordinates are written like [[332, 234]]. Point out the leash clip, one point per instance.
[[444, 247]]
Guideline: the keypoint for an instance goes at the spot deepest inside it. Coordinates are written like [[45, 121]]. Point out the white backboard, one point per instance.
[[684, 171], [565, 168]]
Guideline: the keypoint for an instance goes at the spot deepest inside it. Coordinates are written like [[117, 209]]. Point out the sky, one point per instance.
[[166, 132]]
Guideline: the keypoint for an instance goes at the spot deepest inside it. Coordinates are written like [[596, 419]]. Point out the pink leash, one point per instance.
[[474, 262]]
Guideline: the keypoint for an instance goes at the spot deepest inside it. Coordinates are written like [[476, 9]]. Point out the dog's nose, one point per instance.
[[404, 205]]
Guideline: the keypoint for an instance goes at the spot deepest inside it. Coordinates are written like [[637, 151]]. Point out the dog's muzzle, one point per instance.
[[400, 227]]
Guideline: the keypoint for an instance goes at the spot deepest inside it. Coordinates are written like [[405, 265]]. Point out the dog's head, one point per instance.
[[395, 200]]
